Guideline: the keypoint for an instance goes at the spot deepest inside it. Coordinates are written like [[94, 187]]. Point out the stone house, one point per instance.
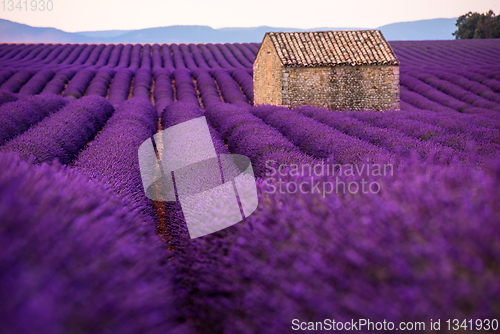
[[338, 70]]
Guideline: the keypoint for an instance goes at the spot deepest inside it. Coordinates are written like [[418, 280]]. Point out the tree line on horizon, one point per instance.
[[479, 26]]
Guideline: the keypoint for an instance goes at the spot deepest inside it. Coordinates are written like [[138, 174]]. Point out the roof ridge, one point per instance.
[[333, 48]]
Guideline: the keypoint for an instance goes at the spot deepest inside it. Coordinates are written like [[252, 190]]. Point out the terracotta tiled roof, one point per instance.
[[332, 48]]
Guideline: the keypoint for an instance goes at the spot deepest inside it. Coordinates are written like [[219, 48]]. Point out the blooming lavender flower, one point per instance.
[[78, 258], [475, 87], [419, 87], [245, 49], [184, 86], [59, 81], [245, 80], [248, 135], [229, 56], [208, 57], [120, 87], [179, 112], [82, 58], [238, 54], [73, 55], [7, 49], [23, 53], [163, 93], [315, 138], [135, 57], [156, 60], [79, 83], [104, 56], [101, 82], [115, 55], [15, 82], [167, 58], [27, 56], [6, 96], [198, 57], [142, 83], [125, 56], [53, 54], [18, 116], [389, 139], [207, 87], [188, 57], [112, 156], [146, 57], [219, 57], [94, 56], [37, 82], [456, 91], [5, 74], [416, 128], [230, 89], [64, 133], [177, 57], [66, 51], [336, 255]]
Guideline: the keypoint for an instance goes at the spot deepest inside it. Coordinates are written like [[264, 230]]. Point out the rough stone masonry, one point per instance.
[[338, 70]]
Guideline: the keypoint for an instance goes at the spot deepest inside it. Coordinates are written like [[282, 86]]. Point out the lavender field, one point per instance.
[[85, 251]]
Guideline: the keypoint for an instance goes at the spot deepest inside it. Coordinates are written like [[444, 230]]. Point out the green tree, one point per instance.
[[475, 25]]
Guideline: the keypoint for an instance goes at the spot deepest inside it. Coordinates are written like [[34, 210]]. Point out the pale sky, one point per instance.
[[91, 15]]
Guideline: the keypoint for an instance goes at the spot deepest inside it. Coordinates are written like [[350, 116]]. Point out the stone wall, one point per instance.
[[267, 75], [366, 87]]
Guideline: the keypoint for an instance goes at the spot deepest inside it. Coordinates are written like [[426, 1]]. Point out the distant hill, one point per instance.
[[12, 32], [420, 30]]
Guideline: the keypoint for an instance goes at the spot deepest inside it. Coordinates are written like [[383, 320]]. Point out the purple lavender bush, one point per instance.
[[424, 247], [18, 116], [59, 81], [114, 57], [184, 87], [163, 92], [78, 259], [229, 89], [37, 82], [248, 135], [15, 82], [64, 133], [316, 139], [73, 55], [6, 96], [104, 56], [166, 54], [101, 82], [119, 90], [5, 74], [94, 56], [125, 56], [207, 87], [135, 57], [112, 157], [142, 83], [198, 57], [78, 85]]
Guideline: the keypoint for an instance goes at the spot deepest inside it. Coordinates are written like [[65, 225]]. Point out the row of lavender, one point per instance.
[[165, 59], [85, 230], [338, 248], [228, 56], [449, 132], [417, 240], [422, 247]]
